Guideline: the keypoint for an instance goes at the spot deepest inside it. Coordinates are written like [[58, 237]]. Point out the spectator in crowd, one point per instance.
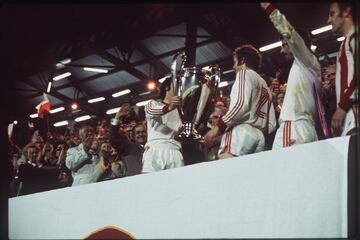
[[219, 110], [130, 152], [301, 103], [220, 107], [345, 120], [275, 86], [283, 88], [140, 134], [102, 130], [33, 176], [65, 177], [328, 93], [37, 140], [251, 112], [14, 154], [110, 165], [279, 101], [226, 100], [275, 89], [73, 141], [129, 132], [212, 151], [82, 159], [162, 151], [47, 155]]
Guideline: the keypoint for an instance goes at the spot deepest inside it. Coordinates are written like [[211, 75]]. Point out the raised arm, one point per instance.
[[296, 44], [117, 139], [155, 108]]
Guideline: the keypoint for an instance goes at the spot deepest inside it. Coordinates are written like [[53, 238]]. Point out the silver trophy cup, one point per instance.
[[197, 87]]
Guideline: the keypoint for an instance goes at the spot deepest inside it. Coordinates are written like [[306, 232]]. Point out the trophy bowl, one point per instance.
[[197, 87]]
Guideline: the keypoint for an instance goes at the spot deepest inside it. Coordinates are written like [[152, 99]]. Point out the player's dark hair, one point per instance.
[[251, 55]]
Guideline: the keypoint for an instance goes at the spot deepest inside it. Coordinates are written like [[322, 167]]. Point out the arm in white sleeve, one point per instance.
[[76, 159], [272, 119], [296, 44], [155, 108], [239, 105]]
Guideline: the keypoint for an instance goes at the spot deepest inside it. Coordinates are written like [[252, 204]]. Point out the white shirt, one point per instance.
[[162, 125], [250, 98], [345, 70], [74, 157], [305, 73]]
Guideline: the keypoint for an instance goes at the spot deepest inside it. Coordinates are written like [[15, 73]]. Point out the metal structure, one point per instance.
[[135, 43]]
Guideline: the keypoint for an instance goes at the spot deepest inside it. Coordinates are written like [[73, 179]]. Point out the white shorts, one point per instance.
[[161, 157], [242, 139], [351, 120], [293, 133]]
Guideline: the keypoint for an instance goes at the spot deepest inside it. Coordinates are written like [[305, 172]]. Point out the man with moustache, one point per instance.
[[345, 119]]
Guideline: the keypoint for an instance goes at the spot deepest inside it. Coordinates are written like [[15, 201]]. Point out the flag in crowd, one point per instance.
[[43, 107]]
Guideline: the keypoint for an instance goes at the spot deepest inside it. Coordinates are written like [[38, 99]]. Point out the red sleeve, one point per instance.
[[166, 108], [345, 98], [221, 125], [269, 9], [346, 90], [156, 109]]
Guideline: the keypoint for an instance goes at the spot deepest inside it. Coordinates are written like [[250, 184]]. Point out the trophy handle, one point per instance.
[[216, 73], [173, 70], [204, 96], [207, 91]]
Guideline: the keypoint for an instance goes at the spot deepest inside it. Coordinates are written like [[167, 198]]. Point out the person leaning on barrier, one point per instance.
[[82, 159], [251, 111]]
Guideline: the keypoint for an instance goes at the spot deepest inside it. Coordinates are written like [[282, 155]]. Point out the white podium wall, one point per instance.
[[296, 192]]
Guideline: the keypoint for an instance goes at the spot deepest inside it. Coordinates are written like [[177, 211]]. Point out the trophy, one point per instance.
[[196, 87]]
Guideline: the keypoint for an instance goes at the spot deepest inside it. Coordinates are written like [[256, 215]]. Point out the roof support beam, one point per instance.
[[160, 67], [126, 65], [218, 34], [84, 106], [190, 43], [122, 68]]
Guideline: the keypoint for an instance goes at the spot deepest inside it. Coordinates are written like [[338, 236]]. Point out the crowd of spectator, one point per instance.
[[116, 145], [44, 163]]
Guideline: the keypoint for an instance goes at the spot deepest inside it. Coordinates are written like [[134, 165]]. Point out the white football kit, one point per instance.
[[161, 150], [250, 114]]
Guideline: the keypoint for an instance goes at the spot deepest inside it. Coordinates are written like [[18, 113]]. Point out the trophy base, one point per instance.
[[189, 134]]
